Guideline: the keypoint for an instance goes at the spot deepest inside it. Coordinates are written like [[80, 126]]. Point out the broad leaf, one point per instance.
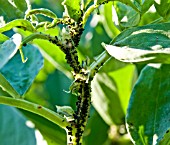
[[21, 75], [105, 99], [11, 10], [72, 9], [145, 44], [24, 24], [148, 111], [13, 129], [163, 8], [124, 79]]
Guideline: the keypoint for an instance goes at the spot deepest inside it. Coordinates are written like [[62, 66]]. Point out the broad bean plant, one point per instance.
[[84, 72]]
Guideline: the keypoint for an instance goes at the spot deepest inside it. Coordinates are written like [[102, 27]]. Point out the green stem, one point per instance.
[[88, 12], [157, 20], [98, 63], [38, 36], [35, 108]]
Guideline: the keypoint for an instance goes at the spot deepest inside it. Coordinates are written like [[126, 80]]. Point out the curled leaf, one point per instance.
[[42, 11], [21, 23]]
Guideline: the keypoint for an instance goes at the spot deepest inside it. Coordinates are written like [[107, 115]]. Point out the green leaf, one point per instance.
[[10, 10], [145, 5], [3, 38], [21, 4], [145, 44], [132, 3], [112, 65], [148, 111], [21, 75], [72, 9], [96, 126], [108, 22], [163, 8], [5, 85], [124, 79], [8, 49], [13, 129], [24, 24], [105, 99], [127, 16], [87, 2], [166, 138]]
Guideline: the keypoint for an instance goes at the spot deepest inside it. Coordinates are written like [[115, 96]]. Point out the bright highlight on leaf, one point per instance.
[[133, 55], [147, 44]]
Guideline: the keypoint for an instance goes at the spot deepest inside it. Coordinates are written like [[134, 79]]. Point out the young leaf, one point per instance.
[[13, 128], [21, 75], [72, 9], [105, 99], [148, 111], [142, 44], [163, 8], [24, 24]]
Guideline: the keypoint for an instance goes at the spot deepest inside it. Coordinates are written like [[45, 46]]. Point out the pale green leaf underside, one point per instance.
[[148, 111], [8, 50], [145, 44], [21, 75]]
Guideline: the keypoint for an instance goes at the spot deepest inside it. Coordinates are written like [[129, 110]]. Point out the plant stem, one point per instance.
[[88, 12], [98, 63], [37, 109]]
